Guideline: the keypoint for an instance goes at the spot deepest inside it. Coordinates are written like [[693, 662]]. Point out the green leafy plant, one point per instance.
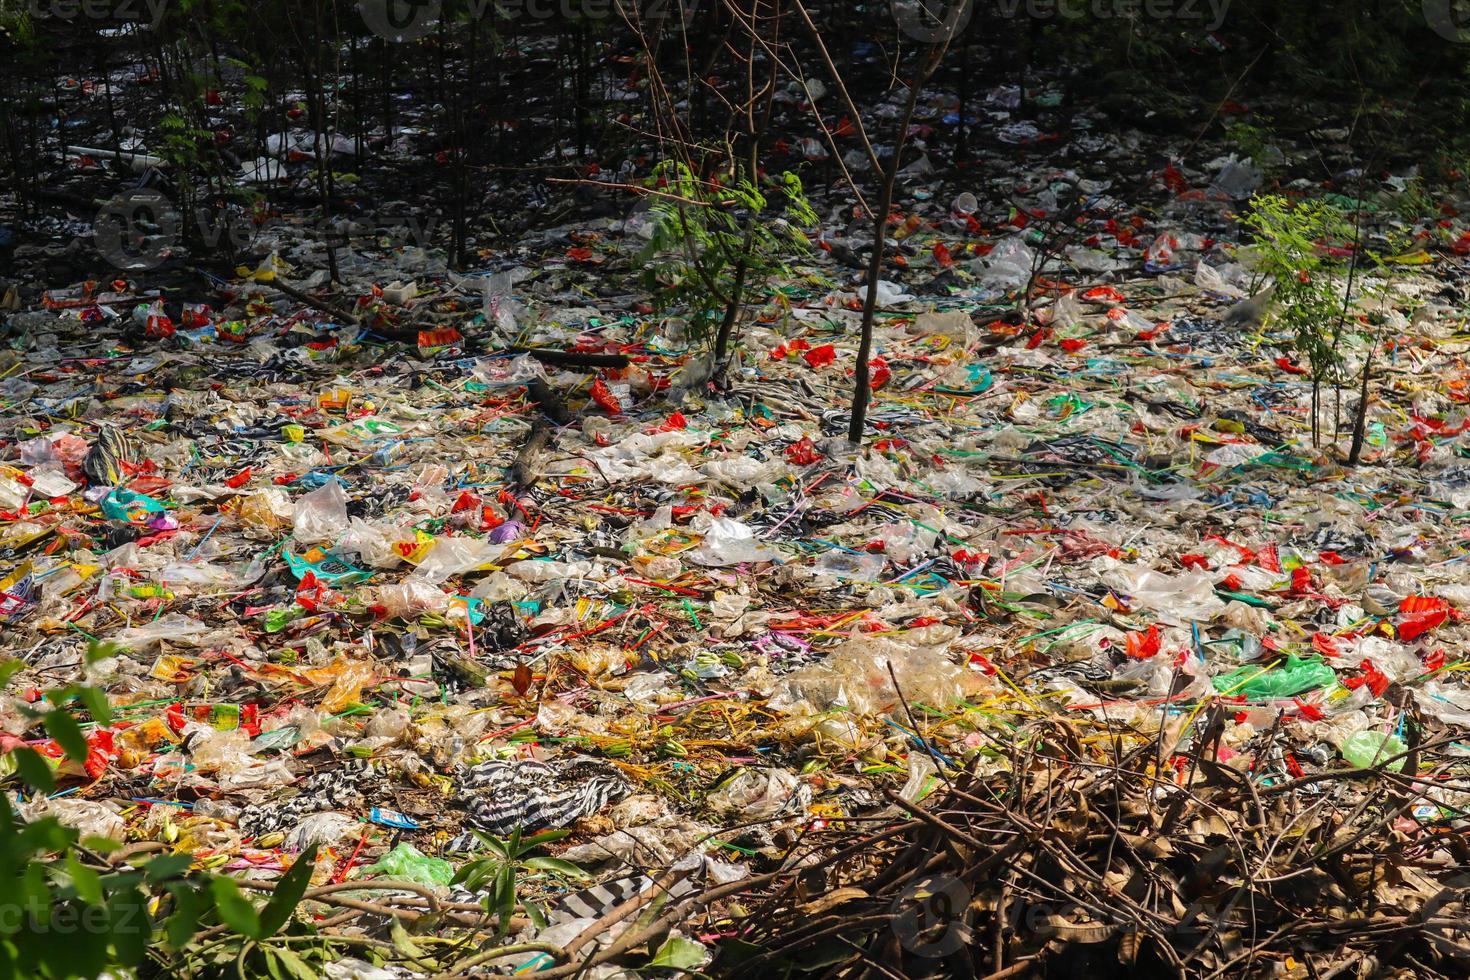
[[1315, 292], [1252, 140], [1307, 302], [80, 906], [1415, 201], [499, 870], [713, 243]]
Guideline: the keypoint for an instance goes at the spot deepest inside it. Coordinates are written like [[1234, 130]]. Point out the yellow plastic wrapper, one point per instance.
[[346, 690], [171, 667]]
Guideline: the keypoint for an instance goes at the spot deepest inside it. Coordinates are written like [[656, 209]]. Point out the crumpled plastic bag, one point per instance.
[[90, 818], [1208, 278], [759, 794], [407, 863], [955, 324], [1238, 180], [321, 516], [727, 542], [323, 829], [376, 547], [855, 675], [454, 556], [1189, 596], [1009, 264], [174, 628]]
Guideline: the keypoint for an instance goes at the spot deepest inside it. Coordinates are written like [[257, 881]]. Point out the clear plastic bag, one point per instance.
[[321, 516], [756, 794]]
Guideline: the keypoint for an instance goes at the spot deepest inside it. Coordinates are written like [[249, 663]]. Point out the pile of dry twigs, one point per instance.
[[1087, 855]]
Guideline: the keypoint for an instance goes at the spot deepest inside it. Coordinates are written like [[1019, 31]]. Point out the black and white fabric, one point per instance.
[[500, 796], [103, 465], [696, 872], [331, 789]]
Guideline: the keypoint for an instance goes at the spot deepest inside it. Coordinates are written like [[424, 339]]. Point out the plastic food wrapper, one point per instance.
[[856, 677], [759, 794], [348, 680]]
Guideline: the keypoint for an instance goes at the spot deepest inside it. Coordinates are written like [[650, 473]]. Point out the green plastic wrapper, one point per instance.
[[1292, 677], [1368, 749], [407, 863]]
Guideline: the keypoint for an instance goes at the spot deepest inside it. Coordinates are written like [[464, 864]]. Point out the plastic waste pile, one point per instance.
[[387, 595]]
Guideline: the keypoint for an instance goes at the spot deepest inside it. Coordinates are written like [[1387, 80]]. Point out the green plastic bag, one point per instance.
[[1292, 677], [407, 863], [1369, 749]]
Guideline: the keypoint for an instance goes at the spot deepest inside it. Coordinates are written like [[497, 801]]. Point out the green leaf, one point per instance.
[[272, 965], [103, 845], [536, 913], [102, 650], [556, 865], [167, 866], [504, 898], [46, 834], [546, 837], [493, 843], [63, 727], [402, 941], [129, 929], [68, 951], [234, 908], [189, 904], [289, 889], [678, 953], [8, 669], [96, 701], [34, 769], [86, 882], [296, 964], [33, 895]]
